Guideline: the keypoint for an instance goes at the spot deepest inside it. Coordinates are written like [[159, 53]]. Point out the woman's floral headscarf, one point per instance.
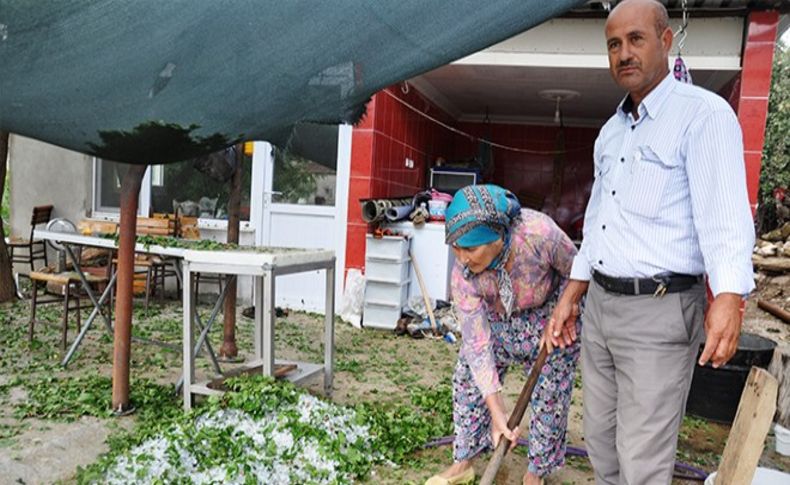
[[481, 214]]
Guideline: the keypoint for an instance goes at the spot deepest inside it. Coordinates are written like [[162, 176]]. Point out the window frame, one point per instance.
[[144, 203]]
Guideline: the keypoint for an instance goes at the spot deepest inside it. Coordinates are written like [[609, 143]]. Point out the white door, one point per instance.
[[304, 205]]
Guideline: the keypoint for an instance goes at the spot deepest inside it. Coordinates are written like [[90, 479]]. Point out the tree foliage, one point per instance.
[[292, 177], [776, 151]]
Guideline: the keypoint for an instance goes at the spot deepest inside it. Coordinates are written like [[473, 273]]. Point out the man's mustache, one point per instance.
[[624, 64]]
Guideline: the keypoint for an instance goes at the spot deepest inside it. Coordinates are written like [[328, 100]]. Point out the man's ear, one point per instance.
[[666, 39]]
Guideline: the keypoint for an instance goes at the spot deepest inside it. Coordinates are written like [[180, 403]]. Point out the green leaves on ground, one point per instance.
[[404, 428], [69, 398], [259, 424]]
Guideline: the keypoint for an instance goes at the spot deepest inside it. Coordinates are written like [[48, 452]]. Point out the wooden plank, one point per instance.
[[772, 264], [154, 231], [154, 226], [64, 277], [747, 436], [780, 367], [91, 226], [774, 310], [153, 222]]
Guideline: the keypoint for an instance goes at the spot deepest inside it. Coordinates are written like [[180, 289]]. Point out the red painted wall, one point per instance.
[[755, 86], [390, 132], [531, 169], [401, 132]]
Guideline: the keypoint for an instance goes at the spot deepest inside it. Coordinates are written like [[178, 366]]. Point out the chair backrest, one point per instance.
[[41, 215]]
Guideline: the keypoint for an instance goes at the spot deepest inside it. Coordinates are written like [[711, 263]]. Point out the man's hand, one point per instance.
[[722, 328], [560, 331]]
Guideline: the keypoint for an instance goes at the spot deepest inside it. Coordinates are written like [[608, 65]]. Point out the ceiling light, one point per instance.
[[558, 95]]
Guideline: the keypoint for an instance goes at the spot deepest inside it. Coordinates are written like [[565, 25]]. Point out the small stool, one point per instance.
[[71, 283]]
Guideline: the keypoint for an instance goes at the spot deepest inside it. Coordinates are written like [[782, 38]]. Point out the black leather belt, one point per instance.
[[657, 285]]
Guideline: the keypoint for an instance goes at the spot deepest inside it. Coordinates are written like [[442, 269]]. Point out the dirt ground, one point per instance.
[[370, 366]]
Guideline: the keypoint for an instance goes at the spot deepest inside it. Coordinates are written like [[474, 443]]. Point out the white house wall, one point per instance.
[[42, 174], [712, 43]]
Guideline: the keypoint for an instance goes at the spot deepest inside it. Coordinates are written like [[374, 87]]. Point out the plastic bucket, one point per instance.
[[715, 393], [782, 440], [437, 209], [762, 476]]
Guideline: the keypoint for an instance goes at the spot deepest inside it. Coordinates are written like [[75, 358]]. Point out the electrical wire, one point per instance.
[[478, 139]]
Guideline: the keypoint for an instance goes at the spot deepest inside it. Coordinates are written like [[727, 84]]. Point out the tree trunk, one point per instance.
[[228, 349], [130, 192], [7, 289]]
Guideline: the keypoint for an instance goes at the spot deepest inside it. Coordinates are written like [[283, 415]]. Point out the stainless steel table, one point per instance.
[[264, 265]]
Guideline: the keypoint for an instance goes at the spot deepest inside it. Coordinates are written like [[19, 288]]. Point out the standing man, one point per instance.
[[668, 206]]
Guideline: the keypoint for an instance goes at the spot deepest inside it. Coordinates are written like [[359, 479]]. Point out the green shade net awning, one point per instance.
[[155, 81]]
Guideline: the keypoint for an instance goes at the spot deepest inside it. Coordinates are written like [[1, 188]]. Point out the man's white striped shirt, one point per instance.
[[670, 192]]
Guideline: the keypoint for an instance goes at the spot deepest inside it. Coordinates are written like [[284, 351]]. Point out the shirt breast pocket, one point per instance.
[[651, 174]]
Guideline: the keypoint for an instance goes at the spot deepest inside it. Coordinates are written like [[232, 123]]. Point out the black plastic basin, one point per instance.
[[715, 393], [752, 350]]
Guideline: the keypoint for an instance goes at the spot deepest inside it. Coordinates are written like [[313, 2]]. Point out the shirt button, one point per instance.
[[600, 261], [633, 126], [614, 192], [603, 227], [622, 159]]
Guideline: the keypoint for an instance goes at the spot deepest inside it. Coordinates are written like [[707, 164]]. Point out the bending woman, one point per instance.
[[511, 266]]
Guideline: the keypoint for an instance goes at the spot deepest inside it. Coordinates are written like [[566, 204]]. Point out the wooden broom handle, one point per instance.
[[515, 418], [424, 292]]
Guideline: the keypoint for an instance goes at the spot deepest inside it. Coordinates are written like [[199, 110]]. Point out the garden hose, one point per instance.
[[682, 470]]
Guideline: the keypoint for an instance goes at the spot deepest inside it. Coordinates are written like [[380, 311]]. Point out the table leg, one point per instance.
[[268, 313], [17, 288], [329, 331], [178, 270], [87, 286], [89, 321], [257, 305], [189, 337], [65, 329], [204, 329]]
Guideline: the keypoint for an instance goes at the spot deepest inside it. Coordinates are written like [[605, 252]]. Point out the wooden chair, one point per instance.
[[210, 278], [163, 268], [71, 285], [156, 269], [142, 265], [33, 249]]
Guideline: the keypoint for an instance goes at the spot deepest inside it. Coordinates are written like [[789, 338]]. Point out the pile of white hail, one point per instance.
[[273, 449]]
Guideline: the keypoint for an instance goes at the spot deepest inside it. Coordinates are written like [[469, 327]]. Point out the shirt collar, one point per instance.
[[654, 100]]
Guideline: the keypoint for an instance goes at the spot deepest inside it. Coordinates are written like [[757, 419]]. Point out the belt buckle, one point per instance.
[[663, 282]]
